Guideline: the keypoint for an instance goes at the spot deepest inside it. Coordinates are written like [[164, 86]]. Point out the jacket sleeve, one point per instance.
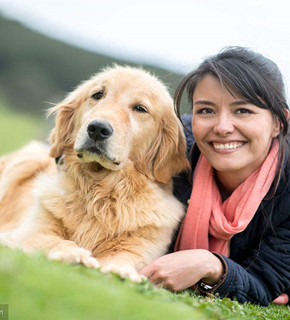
[[265, 274]]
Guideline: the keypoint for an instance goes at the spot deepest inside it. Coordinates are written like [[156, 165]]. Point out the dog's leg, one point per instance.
[[68, 252], [126, 255], [54, 246], [123, 264]]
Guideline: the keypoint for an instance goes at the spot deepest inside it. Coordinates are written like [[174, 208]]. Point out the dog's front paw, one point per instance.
[[75, 256], [124, 271]]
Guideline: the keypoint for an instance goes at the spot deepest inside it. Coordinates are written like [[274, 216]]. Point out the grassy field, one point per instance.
[[35, 288]]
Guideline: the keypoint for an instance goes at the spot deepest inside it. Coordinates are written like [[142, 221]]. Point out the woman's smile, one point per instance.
[[226, 147]]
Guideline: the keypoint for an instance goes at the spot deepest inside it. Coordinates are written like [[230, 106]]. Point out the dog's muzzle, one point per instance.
[[94, 146]]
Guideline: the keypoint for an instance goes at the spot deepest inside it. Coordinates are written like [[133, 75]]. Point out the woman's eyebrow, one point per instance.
[[204, 102], [233, 104], [240, 102]]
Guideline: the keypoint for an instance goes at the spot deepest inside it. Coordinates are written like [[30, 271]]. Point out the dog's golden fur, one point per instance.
[[112, 206]]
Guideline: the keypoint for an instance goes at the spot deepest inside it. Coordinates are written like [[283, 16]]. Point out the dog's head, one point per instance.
[[118, 115]]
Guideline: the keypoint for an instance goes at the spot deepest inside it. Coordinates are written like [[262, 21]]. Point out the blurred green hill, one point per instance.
[[35, 69], [17, 128]]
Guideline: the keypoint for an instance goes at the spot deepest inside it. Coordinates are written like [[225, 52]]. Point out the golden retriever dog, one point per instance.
[[108, 202]]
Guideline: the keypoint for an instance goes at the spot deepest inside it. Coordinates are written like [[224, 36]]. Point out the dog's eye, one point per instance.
[[139, 108], [98, 95]]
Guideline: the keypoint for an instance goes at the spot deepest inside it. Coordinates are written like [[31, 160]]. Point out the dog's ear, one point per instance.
[[61, 135], [169, 150]]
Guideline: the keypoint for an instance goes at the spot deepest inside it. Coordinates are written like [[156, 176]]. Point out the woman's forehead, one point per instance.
[[211, 85]]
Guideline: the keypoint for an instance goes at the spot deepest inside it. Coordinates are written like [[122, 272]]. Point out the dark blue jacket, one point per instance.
[[258, 268]]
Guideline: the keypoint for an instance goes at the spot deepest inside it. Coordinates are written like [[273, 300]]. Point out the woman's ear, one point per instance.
[[278, 124], [286, 111]]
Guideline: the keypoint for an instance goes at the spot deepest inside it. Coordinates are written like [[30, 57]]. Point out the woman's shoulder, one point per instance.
[[282, 194], [280, 200], [187, 120]]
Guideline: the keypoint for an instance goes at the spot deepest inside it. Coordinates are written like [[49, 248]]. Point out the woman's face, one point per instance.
[[233, 134]]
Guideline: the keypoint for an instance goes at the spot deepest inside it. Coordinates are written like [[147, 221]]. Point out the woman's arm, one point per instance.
[[265, 274], [261, 278]]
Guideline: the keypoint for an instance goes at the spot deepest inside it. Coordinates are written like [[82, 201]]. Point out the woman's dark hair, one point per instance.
[[251, 75]]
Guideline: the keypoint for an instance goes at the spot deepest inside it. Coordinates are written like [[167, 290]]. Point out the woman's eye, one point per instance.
[[205, 111], [98, 95], [243, 111], [139, 108]]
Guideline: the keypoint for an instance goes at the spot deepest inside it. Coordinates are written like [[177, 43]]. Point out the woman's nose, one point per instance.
[[223, 125]]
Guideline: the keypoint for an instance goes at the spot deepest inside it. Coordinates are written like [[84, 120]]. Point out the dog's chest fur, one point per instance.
[[102, 208]]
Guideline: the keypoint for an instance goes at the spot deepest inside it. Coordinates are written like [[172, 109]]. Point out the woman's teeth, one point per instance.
[[227, 146]]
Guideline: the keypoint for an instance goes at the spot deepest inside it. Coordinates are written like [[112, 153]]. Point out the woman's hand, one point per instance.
[[183, 269]]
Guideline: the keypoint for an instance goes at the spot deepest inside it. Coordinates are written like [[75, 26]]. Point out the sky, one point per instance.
[[175, 35]]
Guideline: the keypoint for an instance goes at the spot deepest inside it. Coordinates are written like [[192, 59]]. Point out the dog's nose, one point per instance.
[[99, 130]]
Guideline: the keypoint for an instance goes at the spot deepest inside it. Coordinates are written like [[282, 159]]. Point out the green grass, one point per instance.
[[16, 129], [35, 288]]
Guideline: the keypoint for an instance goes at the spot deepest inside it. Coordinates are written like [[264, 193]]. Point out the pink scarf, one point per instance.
[[211, 223]]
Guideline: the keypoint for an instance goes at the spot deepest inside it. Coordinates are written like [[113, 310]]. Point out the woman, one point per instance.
[[235, 238]]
